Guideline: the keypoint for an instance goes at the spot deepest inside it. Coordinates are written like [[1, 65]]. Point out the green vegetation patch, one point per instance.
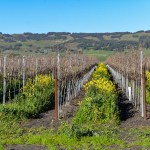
[[35, 98], [100, 103], [100, 54]]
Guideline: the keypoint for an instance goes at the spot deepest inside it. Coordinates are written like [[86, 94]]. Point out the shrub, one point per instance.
[[37, 97], [100, 103]]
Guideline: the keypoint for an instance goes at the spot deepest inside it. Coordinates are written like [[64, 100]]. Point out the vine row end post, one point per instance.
[[56, 95], [144, 91]]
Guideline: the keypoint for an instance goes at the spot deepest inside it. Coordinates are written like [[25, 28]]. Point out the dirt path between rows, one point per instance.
[[129, 116], [47, 119]]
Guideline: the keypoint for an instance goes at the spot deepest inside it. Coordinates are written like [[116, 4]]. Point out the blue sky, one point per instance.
[[42, 16]]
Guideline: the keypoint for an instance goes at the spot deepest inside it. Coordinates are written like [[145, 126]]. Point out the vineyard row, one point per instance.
[[128, 71], [72, 72]]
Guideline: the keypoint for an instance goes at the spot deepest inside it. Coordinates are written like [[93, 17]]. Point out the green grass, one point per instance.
[[92, 38], [105, 137], [25, 49], [147, 52], [12, 134], [100, 54], [107, 37], [129, 37]]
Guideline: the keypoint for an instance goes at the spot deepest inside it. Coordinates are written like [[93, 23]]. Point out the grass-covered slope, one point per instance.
[[29, 43]]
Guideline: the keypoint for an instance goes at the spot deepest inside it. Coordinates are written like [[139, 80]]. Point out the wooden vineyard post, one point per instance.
[[56, 94], [122, 82], [144, 91], [23, 72], [4, 82], [127, 86], [141, 67], [53, 71], [70, 60], [133, 97], [36, 67], [68, 93], [57, 75]]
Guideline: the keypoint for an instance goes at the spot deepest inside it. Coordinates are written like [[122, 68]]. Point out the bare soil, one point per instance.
[[129, 116], [47, 119]]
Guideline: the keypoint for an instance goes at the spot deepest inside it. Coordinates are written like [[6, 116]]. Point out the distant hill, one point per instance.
[[52, 41]]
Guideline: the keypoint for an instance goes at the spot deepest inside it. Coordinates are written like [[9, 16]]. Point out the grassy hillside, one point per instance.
[[29, 43], [100, 54]]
